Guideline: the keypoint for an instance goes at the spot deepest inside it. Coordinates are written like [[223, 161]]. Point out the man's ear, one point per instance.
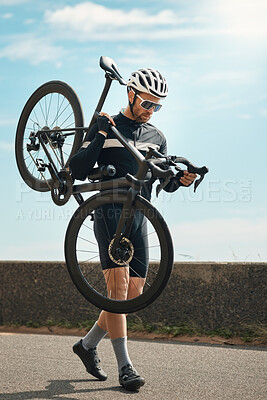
[[131, 96]]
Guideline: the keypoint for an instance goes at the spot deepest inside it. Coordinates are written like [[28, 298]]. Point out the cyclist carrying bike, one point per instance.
[[145, 87]]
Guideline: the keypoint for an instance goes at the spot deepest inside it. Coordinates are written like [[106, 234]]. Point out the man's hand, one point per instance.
[[187, 178], [103, 122]]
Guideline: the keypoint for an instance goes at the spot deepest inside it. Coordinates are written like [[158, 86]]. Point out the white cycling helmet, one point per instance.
[[150, 81]]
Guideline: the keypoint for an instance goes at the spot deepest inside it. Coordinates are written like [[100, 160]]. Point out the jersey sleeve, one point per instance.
[[83, 162], [163, 147]]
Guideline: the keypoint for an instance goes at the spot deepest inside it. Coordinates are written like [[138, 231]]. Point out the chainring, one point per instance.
[[61, 191]]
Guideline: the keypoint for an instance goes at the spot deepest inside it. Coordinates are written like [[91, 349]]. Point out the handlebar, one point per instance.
[[166, 174], [191, 167]]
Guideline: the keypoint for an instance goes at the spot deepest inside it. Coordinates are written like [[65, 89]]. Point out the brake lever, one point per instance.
[[202, 171]]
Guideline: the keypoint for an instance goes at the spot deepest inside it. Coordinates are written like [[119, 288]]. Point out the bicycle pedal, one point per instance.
[[40, 165]]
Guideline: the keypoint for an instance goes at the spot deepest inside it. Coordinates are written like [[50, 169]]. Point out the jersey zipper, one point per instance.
[[134, 139]]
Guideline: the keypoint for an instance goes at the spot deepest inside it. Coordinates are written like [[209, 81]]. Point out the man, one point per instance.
[[146, 87]]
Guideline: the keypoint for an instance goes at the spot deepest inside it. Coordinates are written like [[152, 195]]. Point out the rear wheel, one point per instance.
[[53, 106], [84, 261]]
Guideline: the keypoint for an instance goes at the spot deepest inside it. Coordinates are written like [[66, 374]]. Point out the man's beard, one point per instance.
[[142, 118]]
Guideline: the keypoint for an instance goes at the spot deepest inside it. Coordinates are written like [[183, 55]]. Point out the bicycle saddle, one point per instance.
[[108, 65]]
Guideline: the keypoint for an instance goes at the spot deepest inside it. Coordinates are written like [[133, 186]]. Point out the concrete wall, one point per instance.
[[209, 295]]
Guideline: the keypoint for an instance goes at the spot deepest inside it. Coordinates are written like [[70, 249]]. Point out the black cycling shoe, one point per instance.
[[129, 378], [90, 360]]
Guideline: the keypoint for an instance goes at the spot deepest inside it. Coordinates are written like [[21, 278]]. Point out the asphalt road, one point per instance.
[[44, 367]]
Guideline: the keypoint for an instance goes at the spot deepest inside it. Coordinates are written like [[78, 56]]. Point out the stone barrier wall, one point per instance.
[[209, 295]]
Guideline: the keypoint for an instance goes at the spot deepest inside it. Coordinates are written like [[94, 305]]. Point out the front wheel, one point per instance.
[[145, 255]]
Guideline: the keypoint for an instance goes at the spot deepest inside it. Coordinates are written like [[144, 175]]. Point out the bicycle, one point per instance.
[[50, 130]]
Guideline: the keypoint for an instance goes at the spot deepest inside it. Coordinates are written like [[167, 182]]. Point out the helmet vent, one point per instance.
[[142, 81]]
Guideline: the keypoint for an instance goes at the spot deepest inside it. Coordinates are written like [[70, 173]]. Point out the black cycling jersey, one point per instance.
[[105, 151]]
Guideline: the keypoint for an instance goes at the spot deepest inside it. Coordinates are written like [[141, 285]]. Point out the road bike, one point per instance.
[[50, 130]]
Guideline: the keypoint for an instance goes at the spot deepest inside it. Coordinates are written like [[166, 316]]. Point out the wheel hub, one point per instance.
[[56, 138], [123, 254]]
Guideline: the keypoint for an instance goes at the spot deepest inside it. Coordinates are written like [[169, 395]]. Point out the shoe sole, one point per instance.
[[133, 386]]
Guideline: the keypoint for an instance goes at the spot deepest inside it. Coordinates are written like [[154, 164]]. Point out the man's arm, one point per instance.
[[83, 162], [182, 178]]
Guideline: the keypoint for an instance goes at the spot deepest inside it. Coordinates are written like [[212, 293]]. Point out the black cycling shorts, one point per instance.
[[105, 224]]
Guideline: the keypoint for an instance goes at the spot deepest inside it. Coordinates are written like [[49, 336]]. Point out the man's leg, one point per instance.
[[86, 350], [117, 280]]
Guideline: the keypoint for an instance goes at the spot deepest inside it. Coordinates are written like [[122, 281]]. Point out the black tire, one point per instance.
[[90, 282], [53, 104]]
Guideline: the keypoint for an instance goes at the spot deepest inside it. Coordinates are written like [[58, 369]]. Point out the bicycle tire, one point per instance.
[[76, 268], [40, 107]]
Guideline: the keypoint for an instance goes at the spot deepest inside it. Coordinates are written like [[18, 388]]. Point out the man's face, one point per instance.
[[142, 115]]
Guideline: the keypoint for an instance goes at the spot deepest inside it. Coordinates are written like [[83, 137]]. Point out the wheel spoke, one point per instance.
[[87, 251], [86, 240], [58, 110], [40, 105], [62, 124], [49, 107]]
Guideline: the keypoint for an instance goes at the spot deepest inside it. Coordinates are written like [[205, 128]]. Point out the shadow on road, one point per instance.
[[57, 388]]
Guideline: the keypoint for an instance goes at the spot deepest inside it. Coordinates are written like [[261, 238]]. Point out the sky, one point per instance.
[[213, 56]]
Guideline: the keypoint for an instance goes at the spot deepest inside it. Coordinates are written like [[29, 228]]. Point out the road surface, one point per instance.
[[44, 367]]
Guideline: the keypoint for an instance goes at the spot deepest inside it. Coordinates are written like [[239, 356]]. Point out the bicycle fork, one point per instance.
[[126, 220]]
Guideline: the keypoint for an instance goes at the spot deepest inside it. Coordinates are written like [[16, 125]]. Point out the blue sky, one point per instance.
[[213, 55]]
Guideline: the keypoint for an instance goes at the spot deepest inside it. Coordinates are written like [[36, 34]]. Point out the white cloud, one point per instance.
[[7, 146], [89, 16], [220, 239], [32, 49], [29, 21], [243, 17], [88, 21], [7, 16]]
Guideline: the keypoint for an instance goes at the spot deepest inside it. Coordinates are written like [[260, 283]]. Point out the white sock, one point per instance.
[[93, 337], [121, 352]]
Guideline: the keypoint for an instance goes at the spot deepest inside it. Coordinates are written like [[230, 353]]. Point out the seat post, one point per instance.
[[101, 100]]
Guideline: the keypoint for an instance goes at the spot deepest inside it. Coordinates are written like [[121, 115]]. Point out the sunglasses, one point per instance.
[[147, 104]]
